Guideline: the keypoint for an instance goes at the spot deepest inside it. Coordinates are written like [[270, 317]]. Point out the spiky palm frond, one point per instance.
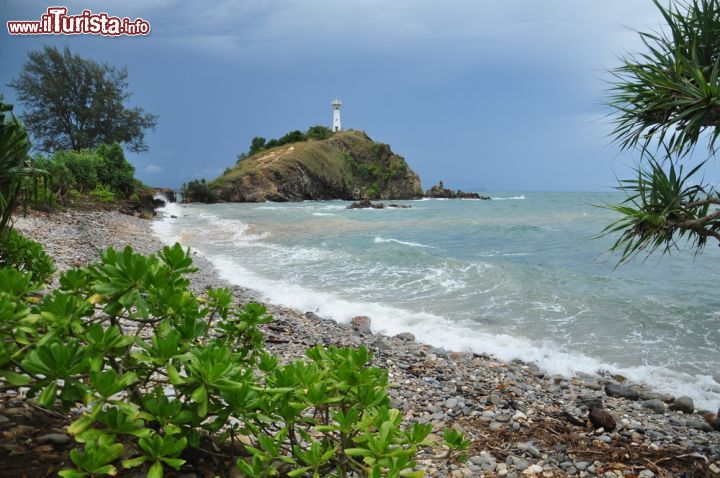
[[15, 164], [668, 97], [664, 206], [671, 93]]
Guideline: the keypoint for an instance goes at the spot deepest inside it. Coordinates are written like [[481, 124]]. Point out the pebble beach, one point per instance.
[[521, 420]]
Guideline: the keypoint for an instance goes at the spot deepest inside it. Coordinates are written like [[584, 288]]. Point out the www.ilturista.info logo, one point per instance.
[[57, 22]]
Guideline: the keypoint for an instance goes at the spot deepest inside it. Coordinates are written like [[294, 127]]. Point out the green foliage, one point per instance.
[[669, 97], [457, 445], [319, 132], [77, 103], [114, 170], [104, 168], [103, 193], [25, 255], [197, 190], [671, 93], [17, 174], [662, 207], [165, 376], [259, 143], [256, 145], [292, 137]]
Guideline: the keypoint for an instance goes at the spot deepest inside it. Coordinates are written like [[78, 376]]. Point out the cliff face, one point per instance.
[[349, 165]]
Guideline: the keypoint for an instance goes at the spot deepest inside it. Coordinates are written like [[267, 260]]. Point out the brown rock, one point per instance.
[[602, 419]]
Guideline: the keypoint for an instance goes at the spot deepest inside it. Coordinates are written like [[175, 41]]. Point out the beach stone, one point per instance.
[[519, 463], [602, 419], [533, 470], [613, 389], [451, 403], [683, 404], [529, 448], [582, 465], [698, 424], [655, 405], [361, 323], [646, 474], [406, 336], [54, 438]]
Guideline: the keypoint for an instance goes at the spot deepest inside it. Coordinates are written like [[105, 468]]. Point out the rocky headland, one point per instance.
[[348, 165], [522, 421]]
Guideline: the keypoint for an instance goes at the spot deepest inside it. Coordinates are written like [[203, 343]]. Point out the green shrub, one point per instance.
[[192, 375], [103, 193], [25, 255], [319, 132], [75, 194], [114, 170]]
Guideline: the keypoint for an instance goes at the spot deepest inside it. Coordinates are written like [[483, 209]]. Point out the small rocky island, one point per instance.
[[439, 191]]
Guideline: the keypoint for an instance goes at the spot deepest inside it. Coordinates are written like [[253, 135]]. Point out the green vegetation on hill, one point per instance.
[[318, 165], [259, 143]]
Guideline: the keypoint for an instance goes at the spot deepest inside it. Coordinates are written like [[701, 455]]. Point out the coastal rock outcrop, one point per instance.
[[439, 191], [367, 204], [348, 165]]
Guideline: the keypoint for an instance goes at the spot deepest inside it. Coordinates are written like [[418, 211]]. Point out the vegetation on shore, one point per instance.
[[667, 101], [163, 376], [317, 164], [76, 110]]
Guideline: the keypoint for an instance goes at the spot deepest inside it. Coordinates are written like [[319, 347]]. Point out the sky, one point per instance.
[[487, 95]]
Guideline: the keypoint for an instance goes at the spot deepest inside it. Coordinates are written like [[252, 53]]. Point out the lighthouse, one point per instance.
[[336, 115]]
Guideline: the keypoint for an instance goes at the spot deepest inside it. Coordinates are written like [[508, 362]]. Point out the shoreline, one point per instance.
[[522, 420]]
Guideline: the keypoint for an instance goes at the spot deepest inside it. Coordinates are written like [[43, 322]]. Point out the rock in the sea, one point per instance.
[[361, 323], [439, 191], [365, 204], [613, 389], [657, 406], [683, 404]]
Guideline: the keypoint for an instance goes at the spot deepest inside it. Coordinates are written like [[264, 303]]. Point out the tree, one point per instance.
[[76, 103], [292, 137], [319, 132], [256, 145], [667, 101]]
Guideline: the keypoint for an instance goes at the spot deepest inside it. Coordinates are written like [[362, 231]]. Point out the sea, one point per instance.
[[524, 276]]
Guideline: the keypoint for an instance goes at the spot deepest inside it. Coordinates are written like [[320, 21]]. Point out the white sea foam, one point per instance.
[[441, 332], [511, 198], [427, 327], [163, 227], [382, 240], [323, 214]]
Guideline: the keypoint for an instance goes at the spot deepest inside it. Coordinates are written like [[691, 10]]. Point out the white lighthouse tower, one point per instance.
[[336, 115]]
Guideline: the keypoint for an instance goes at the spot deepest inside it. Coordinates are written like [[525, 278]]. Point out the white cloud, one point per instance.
[[153, 168]]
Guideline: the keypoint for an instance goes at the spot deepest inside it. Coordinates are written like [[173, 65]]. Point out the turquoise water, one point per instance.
[[521, 276]]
